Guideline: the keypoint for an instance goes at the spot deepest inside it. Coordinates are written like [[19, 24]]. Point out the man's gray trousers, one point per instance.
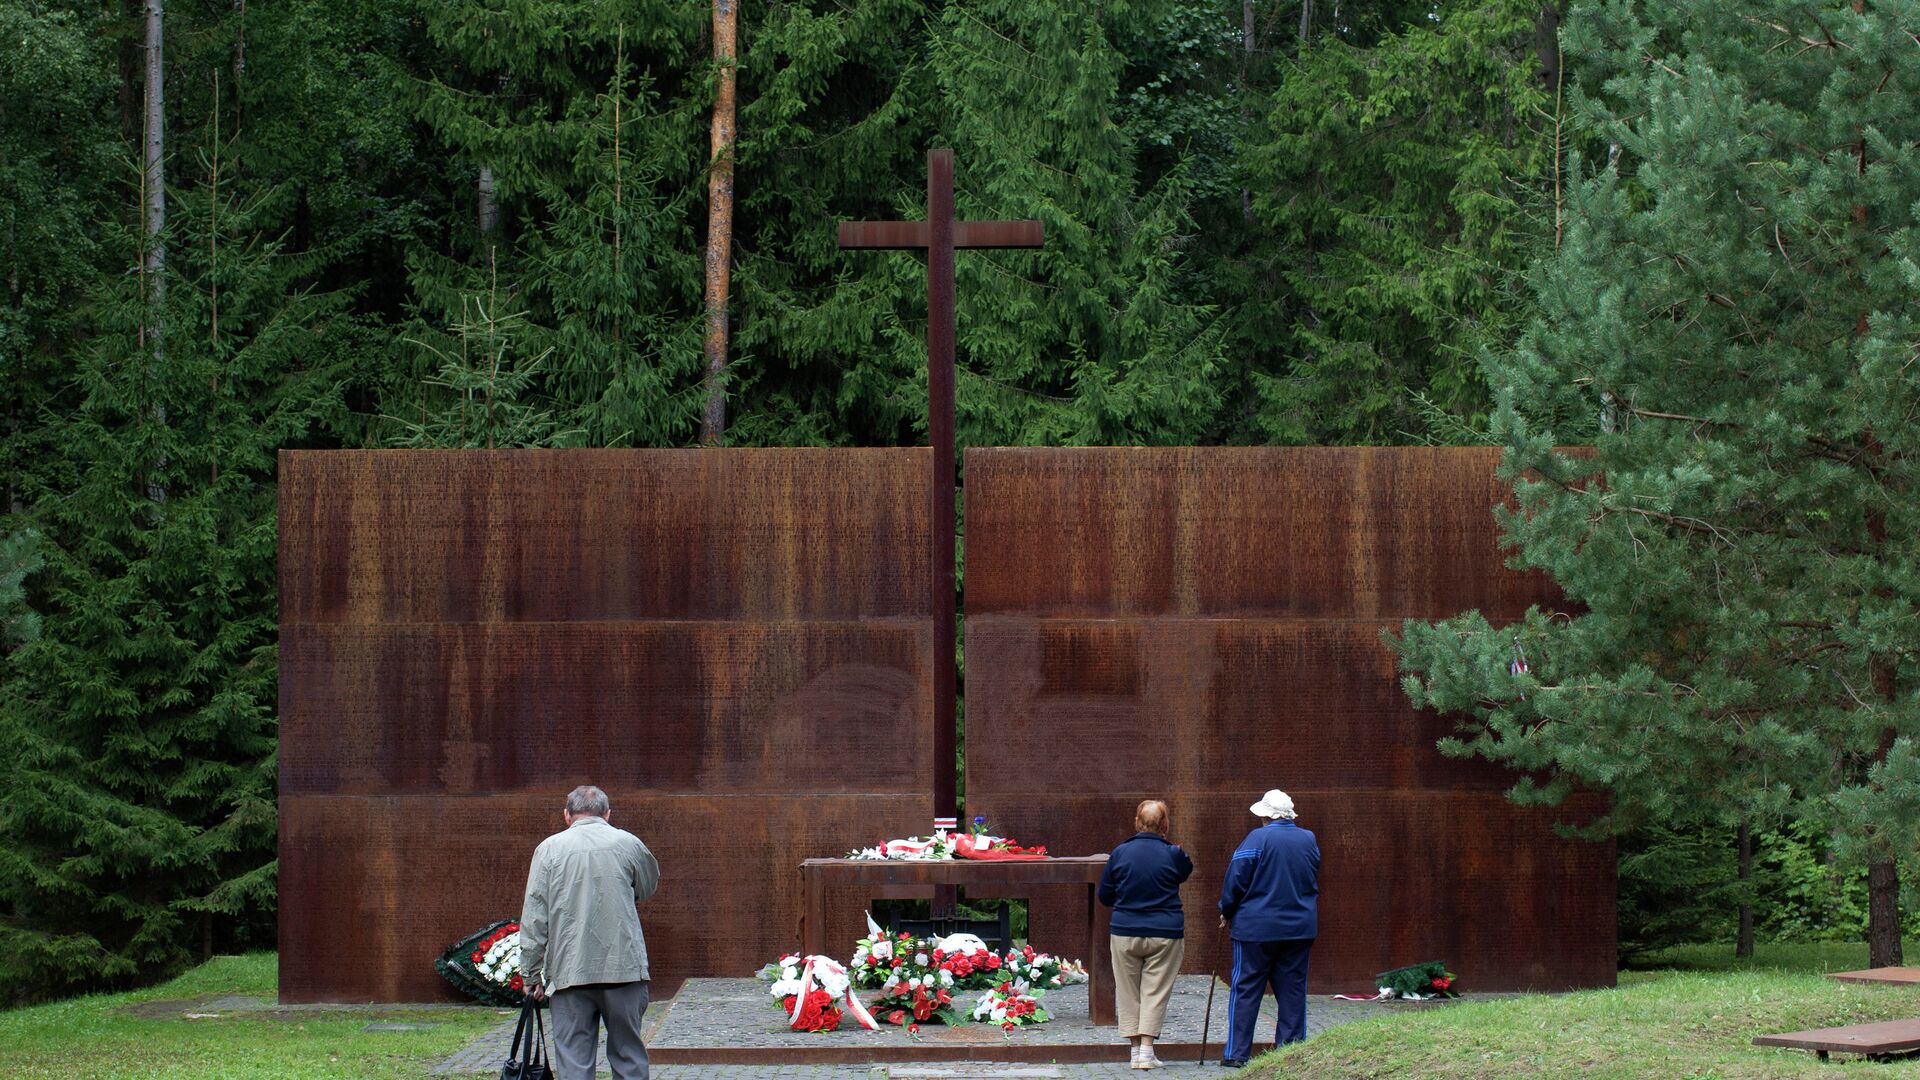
[[578, 1012]]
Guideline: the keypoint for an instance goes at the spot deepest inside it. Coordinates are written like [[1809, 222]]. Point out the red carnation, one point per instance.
[[516, 982]]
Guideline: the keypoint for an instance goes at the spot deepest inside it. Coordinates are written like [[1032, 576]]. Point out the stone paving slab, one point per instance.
[[709, 1013]]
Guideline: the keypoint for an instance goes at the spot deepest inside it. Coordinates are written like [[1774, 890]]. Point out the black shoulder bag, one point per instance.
[[527, 1057]]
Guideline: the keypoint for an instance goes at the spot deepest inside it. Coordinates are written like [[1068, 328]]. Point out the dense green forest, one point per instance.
[[232, 228]]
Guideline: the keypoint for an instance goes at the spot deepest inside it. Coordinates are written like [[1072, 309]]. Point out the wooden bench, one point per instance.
[[1899, 976], [1889, 1037]]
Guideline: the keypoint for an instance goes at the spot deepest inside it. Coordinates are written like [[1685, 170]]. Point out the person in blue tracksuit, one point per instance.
[[1269, 903]]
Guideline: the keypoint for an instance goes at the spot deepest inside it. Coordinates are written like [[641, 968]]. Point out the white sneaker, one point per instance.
[[1139, 1058], [1148, 1060]]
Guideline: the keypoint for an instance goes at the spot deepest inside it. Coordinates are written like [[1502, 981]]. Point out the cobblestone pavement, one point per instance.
[[736, 1013]]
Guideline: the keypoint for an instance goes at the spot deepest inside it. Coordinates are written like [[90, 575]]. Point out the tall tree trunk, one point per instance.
[[1247, 33], [1743, 945], [1883, 873], [713, 425], [486, 211], [239, 58], [1306, 22], [1546, 44], [153, 184], [154, 179]]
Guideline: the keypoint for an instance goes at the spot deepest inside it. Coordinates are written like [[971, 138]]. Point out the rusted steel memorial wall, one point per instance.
[[1200, 625], [719, 638]]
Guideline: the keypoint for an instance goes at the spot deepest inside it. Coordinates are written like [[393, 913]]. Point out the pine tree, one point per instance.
[[1732, 305], [137, 819]]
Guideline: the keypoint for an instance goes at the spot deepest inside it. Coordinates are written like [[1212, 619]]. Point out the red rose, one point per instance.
[[1008, 1026], [1441, 983], [788, 1004], [897, 961], [993, 962]]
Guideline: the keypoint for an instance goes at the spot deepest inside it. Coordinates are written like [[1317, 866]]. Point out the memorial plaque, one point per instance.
[[716, 637], [1199, 625]]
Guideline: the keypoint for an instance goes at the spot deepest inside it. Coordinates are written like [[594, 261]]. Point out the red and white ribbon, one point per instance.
[[823, 971]]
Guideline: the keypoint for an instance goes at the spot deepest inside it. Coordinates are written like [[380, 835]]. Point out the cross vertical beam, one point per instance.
[[940, 361], [938, 236]]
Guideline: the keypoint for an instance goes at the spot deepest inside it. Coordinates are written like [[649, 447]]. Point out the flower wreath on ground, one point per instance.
[[485, 965], [814, 992], [919, 977], [914, 981], [1415, 982], [1010, 1006]]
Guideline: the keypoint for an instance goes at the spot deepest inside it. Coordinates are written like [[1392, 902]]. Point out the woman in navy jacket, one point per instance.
[[1142, 886]]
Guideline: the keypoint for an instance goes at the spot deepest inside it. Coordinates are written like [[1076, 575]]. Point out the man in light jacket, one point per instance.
[[1270, 902], [580, 940]]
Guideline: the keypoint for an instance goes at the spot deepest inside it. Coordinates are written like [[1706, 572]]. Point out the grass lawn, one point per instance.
[[111, 1035], [1694, 1017]]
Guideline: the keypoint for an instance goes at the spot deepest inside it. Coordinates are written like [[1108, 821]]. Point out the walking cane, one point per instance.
[[1206, 1022]]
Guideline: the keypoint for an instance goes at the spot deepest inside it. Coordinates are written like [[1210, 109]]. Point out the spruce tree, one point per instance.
[[137, 818], [1099, 337], [582, 117], [1396, 170], [1731, 307]]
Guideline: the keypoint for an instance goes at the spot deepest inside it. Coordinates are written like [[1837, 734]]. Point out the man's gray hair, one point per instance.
[[587, 800]]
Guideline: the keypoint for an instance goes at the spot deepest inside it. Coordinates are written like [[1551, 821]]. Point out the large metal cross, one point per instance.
[[938, 236]]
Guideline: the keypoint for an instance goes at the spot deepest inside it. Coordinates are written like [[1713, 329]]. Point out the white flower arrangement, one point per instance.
[[501, 962]]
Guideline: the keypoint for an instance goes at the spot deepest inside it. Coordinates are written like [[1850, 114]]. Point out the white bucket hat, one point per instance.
[[1274, 804]]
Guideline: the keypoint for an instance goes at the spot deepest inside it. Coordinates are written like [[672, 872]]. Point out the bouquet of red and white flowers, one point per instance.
[[1009, 1006], [935, 847], [1041, 971], [913, 985], [967, 958], [917, 1001], [875, 956], [485, 965], [814, 992]]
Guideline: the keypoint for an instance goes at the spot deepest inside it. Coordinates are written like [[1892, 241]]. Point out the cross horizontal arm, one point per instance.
[[903, 235]]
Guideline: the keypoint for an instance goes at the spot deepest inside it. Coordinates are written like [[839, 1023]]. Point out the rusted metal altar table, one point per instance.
[[980, 879]]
